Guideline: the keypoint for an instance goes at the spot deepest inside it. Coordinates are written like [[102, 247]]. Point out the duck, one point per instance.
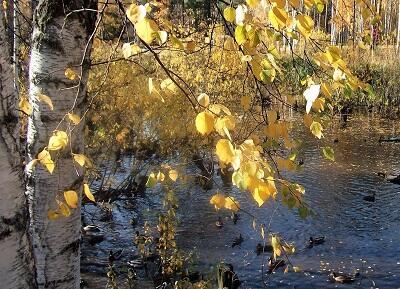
[[139, 239], [316, 241], [261, 249], [113, 256], [93, 234], [343, 278], [235, 217], [390, 178], [274, 264], [219, 223], [370, 198], [237, 241]]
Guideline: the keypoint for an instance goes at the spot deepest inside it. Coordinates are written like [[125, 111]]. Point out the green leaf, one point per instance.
[[316, 129], [328, 153]]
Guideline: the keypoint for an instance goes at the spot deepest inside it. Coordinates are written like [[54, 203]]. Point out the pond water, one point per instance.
[[360, 236]]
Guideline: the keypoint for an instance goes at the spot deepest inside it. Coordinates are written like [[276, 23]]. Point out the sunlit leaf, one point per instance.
[[88, 193], [71, 198], [225, 151], [229, 14], [147, 30], [316, 129], [74, 118], [203, 99], [218, 200], [328, 153], [25, 106], [58, 140], [70, 74], [44, 98], [173, 175], [205, 122], [231, 204], [136, 13], [151, 180], [44, 158]]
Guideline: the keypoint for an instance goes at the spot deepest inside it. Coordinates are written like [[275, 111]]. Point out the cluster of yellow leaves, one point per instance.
[[153, 178], [220, 201], [71, 199]]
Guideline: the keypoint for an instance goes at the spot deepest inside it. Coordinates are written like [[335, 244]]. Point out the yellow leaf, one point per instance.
[[53, 215], [162, 37], [64, 209], [82, 160], [205, 122], [277, 17], [44, 158], [225, 151], [70, 74], [276, 246], [231, 204], [229, 14], [252, 3], [240, 34], [218, 200], [136, 13], [326, 90], [160, 177], [58, 140], [224, 124], [46, 100], [129, 50], [296, 269], [305, 24], [319, 104], [173, 175], [25, 106], [279, 3], [316, 129], [74, 118], [295, 3], [71, 198], [88, 193], [151, 181], [146, 29], [203, 99]]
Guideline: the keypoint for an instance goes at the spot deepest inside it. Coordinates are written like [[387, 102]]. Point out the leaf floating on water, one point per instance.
[[328, 153]]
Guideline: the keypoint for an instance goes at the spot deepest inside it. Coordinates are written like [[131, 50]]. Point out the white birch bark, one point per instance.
[[57, 43], [15, 265]]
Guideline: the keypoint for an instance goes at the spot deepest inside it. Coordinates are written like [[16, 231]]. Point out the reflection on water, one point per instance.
[[359, 235]]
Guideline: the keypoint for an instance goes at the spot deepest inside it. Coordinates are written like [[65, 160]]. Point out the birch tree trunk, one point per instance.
[[58, 42], [15, 264]]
